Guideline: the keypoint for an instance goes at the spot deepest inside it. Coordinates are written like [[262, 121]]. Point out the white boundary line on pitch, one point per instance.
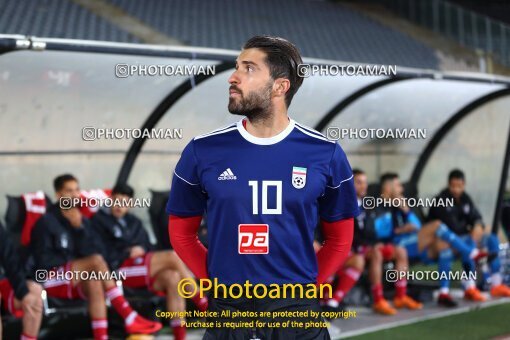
[[459, 310]]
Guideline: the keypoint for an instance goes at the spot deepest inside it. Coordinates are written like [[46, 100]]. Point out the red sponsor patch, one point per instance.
[[253, 239]]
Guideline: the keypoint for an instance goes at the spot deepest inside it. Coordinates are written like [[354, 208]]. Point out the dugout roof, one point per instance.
[[50, 89]]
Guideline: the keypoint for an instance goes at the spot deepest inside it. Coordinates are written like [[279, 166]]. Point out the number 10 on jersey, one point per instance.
[[264, 196]]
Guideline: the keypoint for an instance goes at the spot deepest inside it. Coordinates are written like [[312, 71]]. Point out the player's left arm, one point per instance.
[[185, 207], [337, 209], [338, 237], [184, 238]]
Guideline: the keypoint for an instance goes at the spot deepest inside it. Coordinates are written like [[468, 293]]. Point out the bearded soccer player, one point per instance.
[[263, 182]]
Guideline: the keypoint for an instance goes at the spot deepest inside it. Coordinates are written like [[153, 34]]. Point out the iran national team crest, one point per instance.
[[298, 177]]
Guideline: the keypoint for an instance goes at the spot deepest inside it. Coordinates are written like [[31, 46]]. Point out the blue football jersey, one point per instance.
[[263, 198]]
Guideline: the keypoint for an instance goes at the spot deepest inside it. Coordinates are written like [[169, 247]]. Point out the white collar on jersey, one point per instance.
[[267, 140]]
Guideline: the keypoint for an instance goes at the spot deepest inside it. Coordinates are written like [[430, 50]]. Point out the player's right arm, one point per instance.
[[186, 205]]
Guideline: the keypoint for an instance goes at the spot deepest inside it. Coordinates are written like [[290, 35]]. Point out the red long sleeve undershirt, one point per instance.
[[183, 236], [337, 243], [335, 250]]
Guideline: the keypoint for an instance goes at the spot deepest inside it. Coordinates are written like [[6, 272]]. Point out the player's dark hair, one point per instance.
[[123, 189], [282, 58], [60, 181], [387, 177], [356, 172], [456, 174]]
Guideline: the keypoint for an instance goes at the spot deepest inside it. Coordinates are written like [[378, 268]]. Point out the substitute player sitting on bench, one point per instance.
[[466, 221], [62, 243], [126, 247], [432, 242]]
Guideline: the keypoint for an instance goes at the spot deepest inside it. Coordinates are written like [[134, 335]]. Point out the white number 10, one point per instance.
[[255, 197]]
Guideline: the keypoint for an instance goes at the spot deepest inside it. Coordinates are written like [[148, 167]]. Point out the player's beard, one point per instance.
[[256, 105]]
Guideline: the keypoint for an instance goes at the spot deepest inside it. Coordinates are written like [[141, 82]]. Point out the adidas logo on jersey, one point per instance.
[[227, 175]]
